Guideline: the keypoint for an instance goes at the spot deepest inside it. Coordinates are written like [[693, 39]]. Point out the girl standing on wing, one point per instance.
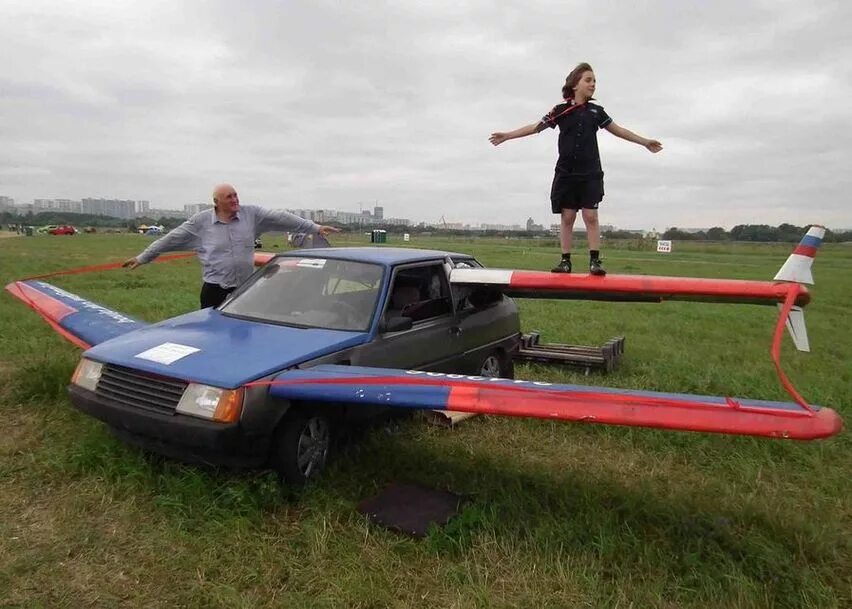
[[578, 180]]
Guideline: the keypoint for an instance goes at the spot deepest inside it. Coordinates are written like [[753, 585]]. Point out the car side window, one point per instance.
[[461, 294], [420, 293]]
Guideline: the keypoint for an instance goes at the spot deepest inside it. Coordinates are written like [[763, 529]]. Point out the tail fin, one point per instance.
[[797, 268], [797, 329]]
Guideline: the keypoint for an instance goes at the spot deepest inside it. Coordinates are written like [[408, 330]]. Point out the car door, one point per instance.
[[485, 318], [421, 292]]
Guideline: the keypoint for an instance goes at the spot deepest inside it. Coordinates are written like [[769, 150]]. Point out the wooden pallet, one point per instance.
[[604, 358]]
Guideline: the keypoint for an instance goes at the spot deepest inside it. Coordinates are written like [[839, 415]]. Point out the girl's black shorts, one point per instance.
[[568, 192]]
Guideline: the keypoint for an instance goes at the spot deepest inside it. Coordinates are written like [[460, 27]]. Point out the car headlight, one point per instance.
[[212, 403], [87, 374]]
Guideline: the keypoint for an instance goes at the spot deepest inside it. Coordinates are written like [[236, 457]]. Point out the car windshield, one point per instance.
[[312, 293]]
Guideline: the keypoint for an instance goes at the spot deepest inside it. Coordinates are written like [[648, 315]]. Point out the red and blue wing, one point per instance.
[[629, 288], [81, 321], [648, 288], [438, 391]]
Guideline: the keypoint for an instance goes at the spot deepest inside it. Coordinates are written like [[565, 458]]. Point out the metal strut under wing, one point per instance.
[[431, 390]]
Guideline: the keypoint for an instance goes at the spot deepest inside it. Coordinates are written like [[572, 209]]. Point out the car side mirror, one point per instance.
[[396, 324]]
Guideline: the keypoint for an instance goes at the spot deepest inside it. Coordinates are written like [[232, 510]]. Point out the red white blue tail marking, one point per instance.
[[797, 268]]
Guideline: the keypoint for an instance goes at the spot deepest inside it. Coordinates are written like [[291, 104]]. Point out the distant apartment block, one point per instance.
[[63, 205], [142, 207], [117, 208], [7, 203], [378, 212], [194, 208], [502, 227], [532, 226], [166, 213]]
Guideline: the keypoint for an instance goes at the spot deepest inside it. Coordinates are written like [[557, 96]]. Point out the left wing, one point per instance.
[[433, 390], [81, 321], [629, 288]]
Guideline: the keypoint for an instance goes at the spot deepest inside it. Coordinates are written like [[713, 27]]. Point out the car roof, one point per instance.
[[387, 256]]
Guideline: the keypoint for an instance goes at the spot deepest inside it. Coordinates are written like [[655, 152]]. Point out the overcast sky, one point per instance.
[[328, 104]]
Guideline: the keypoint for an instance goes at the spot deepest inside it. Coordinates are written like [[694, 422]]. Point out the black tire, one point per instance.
[[497, 363], [303, 444]]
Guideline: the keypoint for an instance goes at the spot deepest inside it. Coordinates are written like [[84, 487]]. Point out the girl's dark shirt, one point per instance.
[[578, 142]]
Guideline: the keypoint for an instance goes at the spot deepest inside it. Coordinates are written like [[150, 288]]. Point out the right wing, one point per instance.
[[438, 391], [81, 321]]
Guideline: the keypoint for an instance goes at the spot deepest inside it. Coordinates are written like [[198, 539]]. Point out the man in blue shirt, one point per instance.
[[223, 238]]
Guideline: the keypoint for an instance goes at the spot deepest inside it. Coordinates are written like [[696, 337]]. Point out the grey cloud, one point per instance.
[[326, 104]]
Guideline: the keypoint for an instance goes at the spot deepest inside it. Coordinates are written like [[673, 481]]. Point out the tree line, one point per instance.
[[784, 233]]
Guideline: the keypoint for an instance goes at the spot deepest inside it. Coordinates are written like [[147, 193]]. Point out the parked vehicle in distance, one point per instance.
[[197, 387], [65, 229]]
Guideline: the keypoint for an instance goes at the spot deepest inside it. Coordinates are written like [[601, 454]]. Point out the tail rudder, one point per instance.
[[797, 329], [797, 268]]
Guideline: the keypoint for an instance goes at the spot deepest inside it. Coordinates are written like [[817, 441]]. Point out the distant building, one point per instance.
[[117, 208], [349, 217], [396, 222], [378, 212], [167, 213], [194, 208], [533, 227], [502, 227], [64, 205], [7, 203], [142, 207]]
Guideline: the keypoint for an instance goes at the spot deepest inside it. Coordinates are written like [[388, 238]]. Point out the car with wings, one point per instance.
[[320, 339], [197, 387]]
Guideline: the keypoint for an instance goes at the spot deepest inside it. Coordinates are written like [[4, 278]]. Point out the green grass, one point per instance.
[[559, 515]]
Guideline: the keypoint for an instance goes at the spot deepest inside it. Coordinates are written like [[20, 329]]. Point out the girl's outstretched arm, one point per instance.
[[500, 137], [627, 134]]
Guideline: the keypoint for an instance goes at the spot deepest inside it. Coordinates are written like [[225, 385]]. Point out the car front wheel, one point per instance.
[[497, 364], [303, 446]]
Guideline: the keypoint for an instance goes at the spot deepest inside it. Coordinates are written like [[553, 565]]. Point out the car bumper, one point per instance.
[[174, 435]]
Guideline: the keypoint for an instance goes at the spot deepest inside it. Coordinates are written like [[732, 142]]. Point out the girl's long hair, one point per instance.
[[574, 78]]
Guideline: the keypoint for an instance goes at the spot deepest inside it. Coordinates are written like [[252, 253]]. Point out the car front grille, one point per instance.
[[132, 388]]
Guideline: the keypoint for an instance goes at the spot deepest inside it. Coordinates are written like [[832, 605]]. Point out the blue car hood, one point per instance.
[[226, 352]]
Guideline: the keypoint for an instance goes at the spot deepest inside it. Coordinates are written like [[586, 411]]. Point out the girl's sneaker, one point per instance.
[[564, 266], [596, 268]]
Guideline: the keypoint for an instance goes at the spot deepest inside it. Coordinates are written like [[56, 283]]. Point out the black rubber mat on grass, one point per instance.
[[411, 509]]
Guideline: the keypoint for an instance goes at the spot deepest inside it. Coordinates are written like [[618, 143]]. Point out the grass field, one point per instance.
[[560, 515]]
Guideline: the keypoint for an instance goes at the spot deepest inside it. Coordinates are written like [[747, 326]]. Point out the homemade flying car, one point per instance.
[[317, 339]]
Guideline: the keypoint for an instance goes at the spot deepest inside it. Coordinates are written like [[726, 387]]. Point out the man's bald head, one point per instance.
[[221, 192], [225, 201]]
